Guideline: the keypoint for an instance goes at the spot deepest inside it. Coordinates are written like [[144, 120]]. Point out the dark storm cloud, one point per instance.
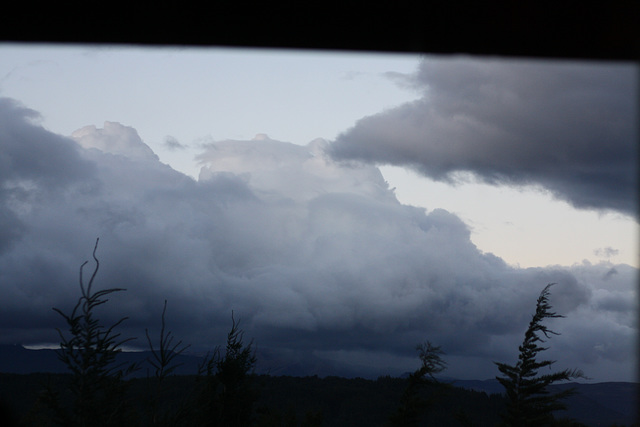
[[318, 258], [570, 128], [30, 153], [34, 165]]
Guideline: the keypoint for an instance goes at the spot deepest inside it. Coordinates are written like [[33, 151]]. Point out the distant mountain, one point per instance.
[[15, 359], [599, 404]]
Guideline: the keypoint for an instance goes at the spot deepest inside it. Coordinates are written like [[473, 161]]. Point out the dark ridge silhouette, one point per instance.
[[359, 401], [594, 404]]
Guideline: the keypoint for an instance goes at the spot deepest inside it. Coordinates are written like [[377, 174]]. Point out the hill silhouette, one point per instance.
[[23, 371]]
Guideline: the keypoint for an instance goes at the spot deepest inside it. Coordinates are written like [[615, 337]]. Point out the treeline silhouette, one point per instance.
[[280, 401], [98, 390]]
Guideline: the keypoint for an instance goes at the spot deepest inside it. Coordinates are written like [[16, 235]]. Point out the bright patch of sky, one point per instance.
[[197, 95], [525, 227]]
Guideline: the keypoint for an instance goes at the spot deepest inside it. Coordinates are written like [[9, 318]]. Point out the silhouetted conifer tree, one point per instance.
[[412, 403], [90, 354], [162, 360], [529, 402], [227, 397]]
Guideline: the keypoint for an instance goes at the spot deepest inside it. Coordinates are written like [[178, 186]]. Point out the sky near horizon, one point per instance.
[[388, 183]]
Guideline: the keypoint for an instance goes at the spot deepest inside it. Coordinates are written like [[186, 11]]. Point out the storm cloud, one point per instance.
[[319, 260], [568, 127]]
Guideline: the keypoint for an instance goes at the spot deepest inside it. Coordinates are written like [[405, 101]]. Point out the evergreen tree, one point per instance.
[[90, 355], [412, 403], [529, 402], [227, 397], [162, 360]]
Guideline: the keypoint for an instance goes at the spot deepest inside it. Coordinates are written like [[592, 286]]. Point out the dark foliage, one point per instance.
[[528, 397], [413, 404], [339, 402], [163, 361], [89, 353], [226, 397]]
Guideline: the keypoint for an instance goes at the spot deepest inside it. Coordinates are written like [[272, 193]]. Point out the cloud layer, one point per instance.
[[326, 269], [571, 128]]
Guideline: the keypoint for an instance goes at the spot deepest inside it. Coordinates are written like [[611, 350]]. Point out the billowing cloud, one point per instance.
[[115, 139], [35, 165], [328, 272], [571, 128]]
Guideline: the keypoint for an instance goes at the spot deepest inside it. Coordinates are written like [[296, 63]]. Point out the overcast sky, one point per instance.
[[345, 206]]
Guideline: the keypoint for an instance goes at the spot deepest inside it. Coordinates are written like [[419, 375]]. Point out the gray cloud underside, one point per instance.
[[571, 128], [318, 258]]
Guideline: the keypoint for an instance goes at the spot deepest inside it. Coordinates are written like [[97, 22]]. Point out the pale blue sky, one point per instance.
[[200, 95], [203, 93]]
